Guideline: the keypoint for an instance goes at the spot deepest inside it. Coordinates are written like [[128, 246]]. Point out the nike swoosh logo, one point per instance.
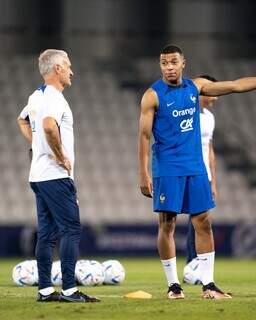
[[45, 297], [195, 267], [170, 104]]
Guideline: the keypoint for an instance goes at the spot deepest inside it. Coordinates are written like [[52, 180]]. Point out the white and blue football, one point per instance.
[[114, 272], [89, 273], [191, 272], [56, 275], [25, 273]]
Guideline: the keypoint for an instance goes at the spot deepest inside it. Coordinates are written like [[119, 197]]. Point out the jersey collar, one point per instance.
[[169, 88]]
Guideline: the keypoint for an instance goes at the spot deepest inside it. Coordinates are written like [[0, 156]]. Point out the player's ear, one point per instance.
[[184, 63], [57, 68]]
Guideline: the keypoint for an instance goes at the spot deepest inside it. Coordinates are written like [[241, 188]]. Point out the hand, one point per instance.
[[146, 186], [65, 163]]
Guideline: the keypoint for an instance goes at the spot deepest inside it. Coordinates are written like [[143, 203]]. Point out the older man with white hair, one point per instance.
[[47, 123]]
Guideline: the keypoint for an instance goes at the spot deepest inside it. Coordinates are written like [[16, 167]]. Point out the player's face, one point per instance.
[[172, 65], [65, 73]]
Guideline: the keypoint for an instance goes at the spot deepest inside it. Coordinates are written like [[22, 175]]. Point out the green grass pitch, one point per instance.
[[235, 276]]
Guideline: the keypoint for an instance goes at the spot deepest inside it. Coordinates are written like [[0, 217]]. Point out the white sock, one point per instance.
[[170, 269], [206, 267], [47, 291], [69, 291]]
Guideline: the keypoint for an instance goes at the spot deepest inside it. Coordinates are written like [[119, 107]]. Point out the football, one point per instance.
[[89, 273], [56, 275], [25, 273], [114, 272], [191, 272]]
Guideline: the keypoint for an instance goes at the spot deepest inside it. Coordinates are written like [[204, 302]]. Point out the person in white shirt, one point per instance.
[[47, 123], [207, 124]]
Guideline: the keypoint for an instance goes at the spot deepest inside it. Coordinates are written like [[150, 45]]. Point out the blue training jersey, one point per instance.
[[177, 150]]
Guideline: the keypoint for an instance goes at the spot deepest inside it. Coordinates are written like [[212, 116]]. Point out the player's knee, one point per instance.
[[73, 232], [202, 223], [43, 238], [166, 227]]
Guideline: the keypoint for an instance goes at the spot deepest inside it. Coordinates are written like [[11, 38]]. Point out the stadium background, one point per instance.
[[114, 47]]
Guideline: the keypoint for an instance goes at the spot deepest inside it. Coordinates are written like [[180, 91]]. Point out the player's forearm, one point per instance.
[[143, 151], [25, 129], [212, 165], [227, 87], [244, 84], [52, 135], [53, 139], [214, 178], [27, 132]]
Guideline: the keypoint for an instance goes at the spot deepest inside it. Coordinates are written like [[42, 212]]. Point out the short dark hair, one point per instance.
[[171, 49], [210, 78]]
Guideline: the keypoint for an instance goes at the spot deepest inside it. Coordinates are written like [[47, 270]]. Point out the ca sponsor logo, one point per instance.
[[186, 125]]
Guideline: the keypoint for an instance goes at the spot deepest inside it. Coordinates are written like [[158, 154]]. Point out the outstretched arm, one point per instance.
[[148, 104], [220, 88]]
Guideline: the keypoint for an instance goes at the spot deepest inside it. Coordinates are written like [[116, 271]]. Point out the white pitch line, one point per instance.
[[108, 296]]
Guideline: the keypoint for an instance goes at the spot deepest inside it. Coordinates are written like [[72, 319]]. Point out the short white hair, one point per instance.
[[49, 58]]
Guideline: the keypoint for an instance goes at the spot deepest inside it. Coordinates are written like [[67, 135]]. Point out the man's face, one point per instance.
[[65, 72], [171, 65]]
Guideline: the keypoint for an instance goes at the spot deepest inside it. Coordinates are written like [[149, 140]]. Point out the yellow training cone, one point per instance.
[[138, 295]]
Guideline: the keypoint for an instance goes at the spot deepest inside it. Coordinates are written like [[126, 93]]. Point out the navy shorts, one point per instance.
[[188, 194]]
